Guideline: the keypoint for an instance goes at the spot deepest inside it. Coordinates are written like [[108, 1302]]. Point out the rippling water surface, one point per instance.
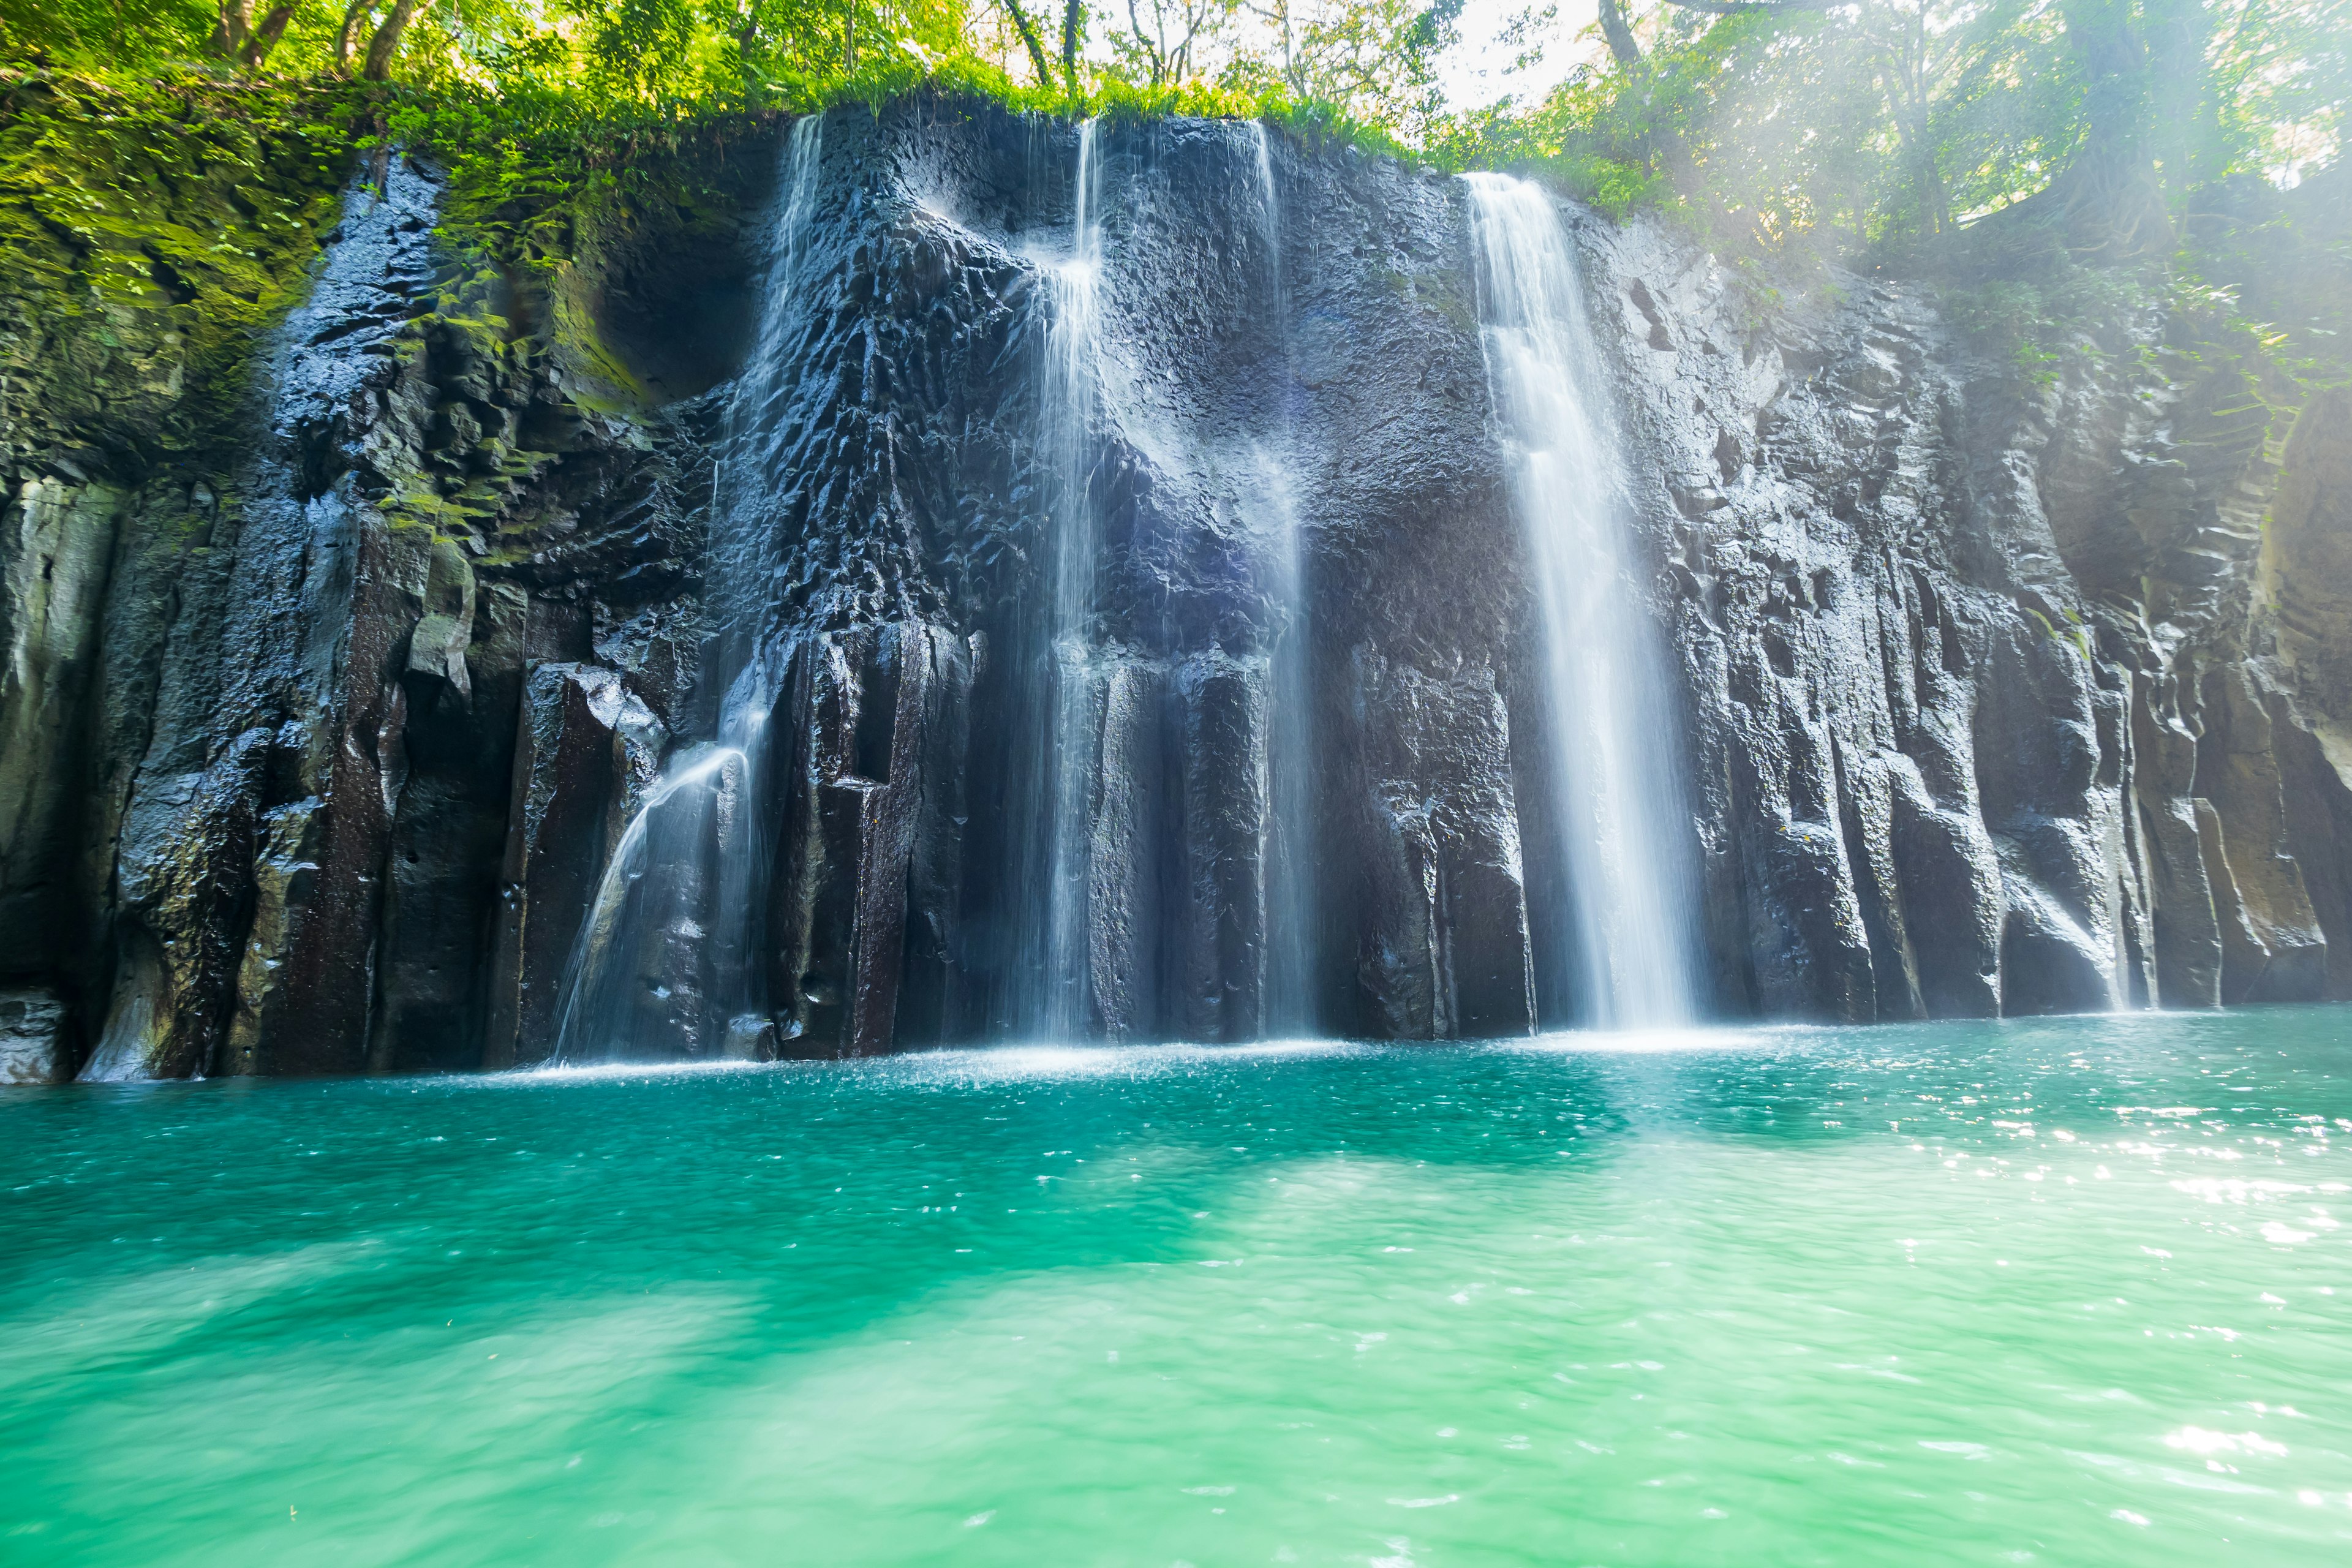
[[2069, 1292]]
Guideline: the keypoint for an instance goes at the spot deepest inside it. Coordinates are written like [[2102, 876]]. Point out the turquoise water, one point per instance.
[[2067, 1292]]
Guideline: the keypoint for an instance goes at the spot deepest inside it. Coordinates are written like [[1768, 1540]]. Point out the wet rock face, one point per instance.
[[1996, 696], [33, 1044], [1316, 366], [262, 766], [56, 556], [1992, 706]]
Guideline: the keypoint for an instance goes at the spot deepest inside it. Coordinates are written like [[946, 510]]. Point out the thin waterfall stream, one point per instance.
[[1616, 791], [1065, 435], [1288, 992], [668, 962]]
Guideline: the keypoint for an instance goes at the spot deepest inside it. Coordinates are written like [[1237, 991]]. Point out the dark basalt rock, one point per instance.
[[33, 1046], [271, 777], [1998, 696]]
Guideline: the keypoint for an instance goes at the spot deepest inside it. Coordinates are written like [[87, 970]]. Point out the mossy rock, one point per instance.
[[150, 233]]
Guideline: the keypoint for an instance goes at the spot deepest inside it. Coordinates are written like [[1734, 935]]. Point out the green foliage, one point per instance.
[[146, 230], [97, 33], [1870, 126], [1878, 129], [1355, 67], [1373, 61], [1979, 142]]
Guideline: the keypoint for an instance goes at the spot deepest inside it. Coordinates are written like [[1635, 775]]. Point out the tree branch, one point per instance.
[[386, 42], [1741, 8], [1028, 32], [347, 37], [264, 37], [1620, 34], [235, 20]]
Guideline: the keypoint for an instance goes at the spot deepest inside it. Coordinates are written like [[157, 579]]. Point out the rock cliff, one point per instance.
[[2005, 686]]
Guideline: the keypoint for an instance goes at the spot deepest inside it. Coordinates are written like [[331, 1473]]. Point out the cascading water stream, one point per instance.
[[1290, 742], [1617, 793], [667, 960], [665, 964], [1066, 439]]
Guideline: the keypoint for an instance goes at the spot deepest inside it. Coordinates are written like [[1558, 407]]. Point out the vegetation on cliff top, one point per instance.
[[1860, 128], [165, 165], [145, 233], [1877, 128]]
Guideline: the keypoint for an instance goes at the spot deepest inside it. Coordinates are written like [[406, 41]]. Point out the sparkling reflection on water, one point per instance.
[[2066, 1292]]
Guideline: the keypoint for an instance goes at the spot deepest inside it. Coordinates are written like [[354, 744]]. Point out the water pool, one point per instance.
[[2070, 1292]]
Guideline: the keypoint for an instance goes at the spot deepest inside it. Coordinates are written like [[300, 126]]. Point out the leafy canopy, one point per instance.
[[1885, 128], [1878, 125]]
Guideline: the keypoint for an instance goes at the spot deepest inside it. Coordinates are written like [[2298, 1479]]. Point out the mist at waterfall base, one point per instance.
[[2064, 1292]]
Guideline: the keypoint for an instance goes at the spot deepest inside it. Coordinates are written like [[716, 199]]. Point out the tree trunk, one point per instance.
[[1620, 34], [347, 37], [236, 21], [1036, 46], [264, 38], [2105, 205], [1915, 113], [1073, 32], [386, 42], [2184, 114], [2107, 199], [1662, 144]]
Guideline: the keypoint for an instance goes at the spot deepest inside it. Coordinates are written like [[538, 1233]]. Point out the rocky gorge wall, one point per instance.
[[2003, 689]]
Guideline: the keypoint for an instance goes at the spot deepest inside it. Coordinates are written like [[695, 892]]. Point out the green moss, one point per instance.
[[149, 230]]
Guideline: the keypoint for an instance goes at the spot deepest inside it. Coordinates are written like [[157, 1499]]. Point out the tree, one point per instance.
[[239, 38], [1030, 41], [1162, 36], [1376, 61], [1893, 123]]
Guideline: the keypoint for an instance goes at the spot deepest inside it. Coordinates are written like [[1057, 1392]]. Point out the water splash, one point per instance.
[[1617, 794]]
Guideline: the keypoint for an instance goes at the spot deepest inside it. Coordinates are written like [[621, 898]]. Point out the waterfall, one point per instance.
[[1290, 744], [1617, 795], [667, 963], [1066, 438]]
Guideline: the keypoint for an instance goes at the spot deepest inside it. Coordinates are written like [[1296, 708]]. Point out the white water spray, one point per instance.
[[1618, 797]]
